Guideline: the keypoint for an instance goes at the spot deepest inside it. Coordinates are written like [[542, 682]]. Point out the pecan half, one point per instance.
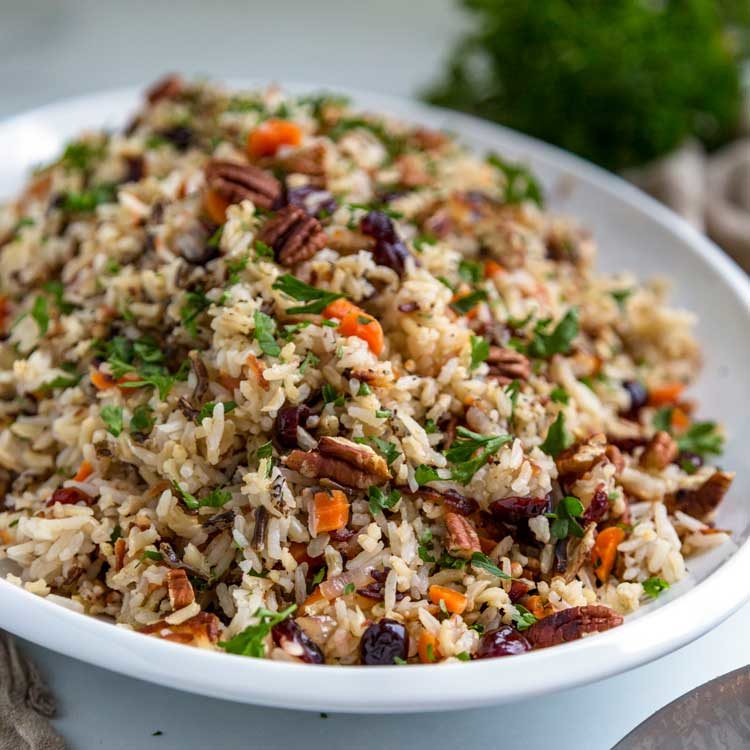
[[572, 624], [167, 87], [238, 182], [314, 465], [201, 631], [703, 500], [462, 540], [660, 451], [507, 365], [356, 454], [309, 161], [581, 456], [294, 235], [180, 591]]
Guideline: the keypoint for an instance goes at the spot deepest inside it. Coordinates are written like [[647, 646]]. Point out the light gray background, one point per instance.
[[51, 50]]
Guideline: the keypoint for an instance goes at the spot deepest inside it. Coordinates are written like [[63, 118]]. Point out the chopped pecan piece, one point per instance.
[[309, 161], [167, 87], [572, 624], [507, 365], [581, 456], [660, 451], [462, 540], [612, 452], [703, 500], [201, 631], [294, 235], [356, 454], [314, 465], [180, 591], [238, 182]]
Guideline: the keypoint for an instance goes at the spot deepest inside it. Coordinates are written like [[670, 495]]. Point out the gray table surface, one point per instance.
[[51, 50]]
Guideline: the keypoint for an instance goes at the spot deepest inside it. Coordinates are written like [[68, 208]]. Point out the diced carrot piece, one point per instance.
[[427, 648], [271, 135], [353, 321], [455, 602], [330, 511], [228, 381], [605, 551], [85, 470], [254, 365], [535, 606], [216, 206], [492, 268], [680, 420], [102, 381], [666, 394]]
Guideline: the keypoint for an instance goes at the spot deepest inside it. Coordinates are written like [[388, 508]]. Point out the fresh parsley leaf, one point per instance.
[[142, 421], [195, 303], [207, 410], [40, 314], [251, 641], [513, 389], [217, 498], [298, 290], [544, 345], [447, 561], [215, 239], [364, 390], [559, 395], [523, 619], [116, 534], [87, 200], [425, 549], [654, 586], [383, 413], [262, 250], [265, 330], [470, 271], [621, 297], [265, 450], [379, 501], [389, 450], [423, 239], [520, 183], [463, 656], [701, 438], [235, 266], [424, 474], [62, 381], [481, 561], [112, 417], [662, 419], [558, 438], [470, 451], [151, 554], [565, 524], [57, 290], [480, 350], [331, 395], [430, 427], [310, 360], [465, 304], [79, 155], [350, 588], [319, 576]]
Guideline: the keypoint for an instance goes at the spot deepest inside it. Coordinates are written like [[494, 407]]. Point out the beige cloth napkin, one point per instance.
[[26, 703]]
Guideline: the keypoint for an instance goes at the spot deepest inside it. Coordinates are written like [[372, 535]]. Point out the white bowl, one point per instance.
[[634, 233]]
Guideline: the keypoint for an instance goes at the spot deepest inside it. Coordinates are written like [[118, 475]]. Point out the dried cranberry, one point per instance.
[[518, 589], [180, 136], [69, 496], [505, 641], [514, 509], [457, 503], [391, 254], [691, 462], [290, 637], [384, 642], [287, 421], [134, 168], [638, 395], [597, 508], [315, 202], [378, 225]]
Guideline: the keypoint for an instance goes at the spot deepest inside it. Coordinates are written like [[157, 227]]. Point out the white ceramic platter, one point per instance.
[[634, 233]]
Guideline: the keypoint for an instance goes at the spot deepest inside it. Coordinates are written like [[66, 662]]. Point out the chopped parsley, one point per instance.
[[207, 410], [195, 303], [86, 201], [470, 451], [349, 589], [430, 427], [465, 304], [235, 266], [142, 420], [621, 297], [463, 656], [112, 417], [79, 155], [319, 576], [654, 586], [151, 554], [423, 239], [296, 289], [331, 395], [559, 395], [425, 549], [470, 271], [265, 330], [265, 450], [558, 438], [480, 350], [662, 419], [389, 450], [523, 619], [481, 561], [450, 562], [56, 289], [558, 341], [564, 518], [520, 183], [215, 499], [379, 501], [262, 250], [310, 360], [40, 314], [424, 474], [364, 390], [251, 641], [701, 438]]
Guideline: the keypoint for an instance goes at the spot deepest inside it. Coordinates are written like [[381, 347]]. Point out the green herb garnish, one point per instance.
[[564, 524], [520, 183], [298, 290], [112, 417], [544, 345], [558, 438], [215, 499], [464, 304], [480, 350], [265, 329], [654, 586], [480, 560], [380, 501], [251, 641]]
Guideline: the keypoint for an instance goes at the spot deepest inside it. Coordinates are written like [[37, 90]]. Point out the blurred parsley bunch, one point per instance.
[[619, 82]]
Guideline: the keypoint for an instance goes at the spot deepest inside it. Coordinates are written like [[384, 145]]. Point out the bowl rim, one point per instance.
[[372, 689]]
